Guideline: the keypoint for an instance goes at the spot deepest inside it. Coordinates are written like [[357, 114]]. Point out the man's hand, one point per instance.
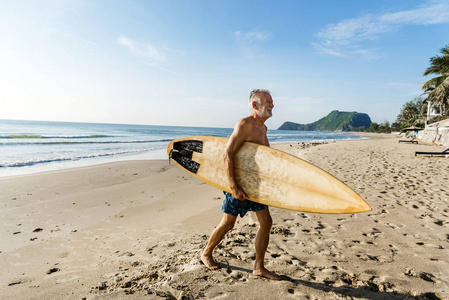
[[239, 194]]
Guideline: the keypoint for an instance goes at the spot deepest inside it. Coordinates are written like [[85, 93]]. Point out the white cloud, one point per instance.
[[144, 50], [346, 37], [250, 36], [247, 41], [435, 12]]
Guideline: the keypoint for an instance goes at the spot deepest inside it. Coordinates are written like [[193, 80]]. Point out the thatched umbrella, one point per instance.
[[413, 128]]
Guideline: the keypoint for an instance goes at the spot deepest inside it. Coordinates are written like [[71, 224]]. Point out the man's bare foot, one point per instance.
[[210, 263], [265, 273]]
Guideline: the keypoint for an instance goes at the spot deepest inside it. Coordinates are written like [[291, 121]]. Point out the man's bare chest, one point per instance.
[[258, 138]]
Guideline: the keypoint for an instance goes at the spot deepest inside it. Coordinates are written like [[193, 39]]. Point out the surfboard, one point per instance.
[[267, 175]]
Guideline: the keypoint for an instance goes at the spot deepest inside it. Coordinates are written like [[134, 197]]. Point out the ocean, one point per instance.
[[34, 146]]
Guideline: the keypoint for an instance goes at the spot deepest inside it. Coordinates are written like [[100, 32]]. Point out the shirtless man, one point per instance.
[[249, 129]]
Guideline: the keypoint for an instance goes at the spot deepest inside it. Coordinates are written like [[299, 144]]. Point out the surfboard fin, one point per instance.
[[182, 153]]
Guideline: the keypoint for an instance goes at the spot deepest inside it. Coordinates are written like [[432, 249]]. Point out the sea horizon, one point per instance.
[[33, 146]]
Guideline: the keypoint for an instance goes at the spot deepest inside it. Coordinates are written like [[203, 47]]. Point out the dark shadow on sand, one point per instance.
[[226, 266], [364, 292]]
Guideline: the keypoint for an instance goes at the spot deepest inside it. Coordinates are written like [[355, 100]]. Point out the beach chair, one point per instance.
[[413, 141], [443, 153]]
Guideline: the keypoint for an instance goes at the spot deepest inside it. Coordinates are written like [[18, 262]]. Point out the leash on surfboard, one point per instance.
[[169, 156]]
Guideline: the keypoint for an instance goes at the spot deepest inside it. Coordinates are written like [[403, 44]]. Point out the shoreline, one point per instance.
[[136, 228], [62, 166], [158, 154]]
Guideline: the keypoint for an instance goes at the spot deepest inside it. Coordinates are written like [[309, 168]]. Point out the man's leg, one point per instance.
[[262, 239], [226, 224]]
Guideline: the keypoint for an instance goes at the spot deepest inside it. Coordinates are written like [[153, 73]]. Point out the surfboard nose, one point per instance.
[[357, 203], [364, 207]]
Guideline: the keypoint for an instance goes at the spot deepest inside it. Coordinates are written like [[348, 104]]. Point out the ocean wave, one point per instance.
[[30, 136], [85, 142], [36, 161]]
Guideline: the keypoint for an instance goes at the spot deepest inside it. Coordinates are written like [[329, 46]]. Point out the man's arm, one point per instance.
[[240, 134], [266, 132]]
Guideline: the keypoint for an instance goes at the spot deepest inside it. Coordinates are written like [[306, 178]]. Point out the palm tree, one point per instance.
[[437, 88], [411, 111]]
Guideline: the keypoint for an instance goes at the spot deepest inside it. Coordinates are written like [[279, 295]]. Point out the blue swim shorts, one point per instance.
[[234, 207]]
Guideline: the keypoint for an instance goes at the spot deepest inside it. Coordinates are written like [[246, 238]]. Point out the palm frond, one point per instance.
[[445, 50], [440, 94], [437, 88], [434, 82]]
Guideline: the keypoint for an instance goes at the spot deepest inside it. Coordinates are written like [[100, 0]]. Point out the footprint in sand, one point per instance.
[[394, 250], [441, 223], [282, 231], [429, 245], [237, 275], [368, 257], [376, 233], [423, 275]]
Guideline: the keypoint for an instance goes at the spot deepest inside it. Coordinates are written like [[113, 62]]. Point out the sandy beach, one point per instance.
[[135, 229]]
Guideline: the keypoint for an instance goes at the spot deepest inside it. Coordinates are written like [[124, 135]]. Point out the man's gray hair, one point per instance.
[[255, 96]]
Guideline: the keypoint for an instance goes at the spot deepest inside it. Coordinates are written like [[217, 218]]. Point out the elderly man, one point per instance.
[[249, 129]]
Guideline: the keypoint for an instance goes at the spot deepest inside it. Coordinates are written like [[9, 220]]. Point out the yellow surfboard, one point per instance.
[[267, 175]]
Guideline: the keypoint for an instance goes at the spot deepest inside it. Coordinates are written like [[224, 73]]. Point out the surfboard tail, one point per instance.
[[182, 153]]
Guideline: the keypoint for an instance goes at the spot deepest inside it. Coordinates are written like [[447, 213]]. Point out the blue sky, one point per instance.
[[193, 63]]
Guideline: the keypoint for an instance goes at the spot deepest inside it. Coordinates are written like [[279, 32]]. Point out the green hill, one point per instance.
[[335, 121]]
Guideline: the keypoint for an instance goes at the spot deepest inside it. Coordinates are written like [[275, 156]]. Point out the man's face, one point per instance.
[[264, 109]]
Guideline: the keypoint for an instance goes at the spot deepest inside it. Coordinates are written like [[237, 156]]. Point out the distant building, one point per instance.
[[433, 110], [437, 126], [435, 113]]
